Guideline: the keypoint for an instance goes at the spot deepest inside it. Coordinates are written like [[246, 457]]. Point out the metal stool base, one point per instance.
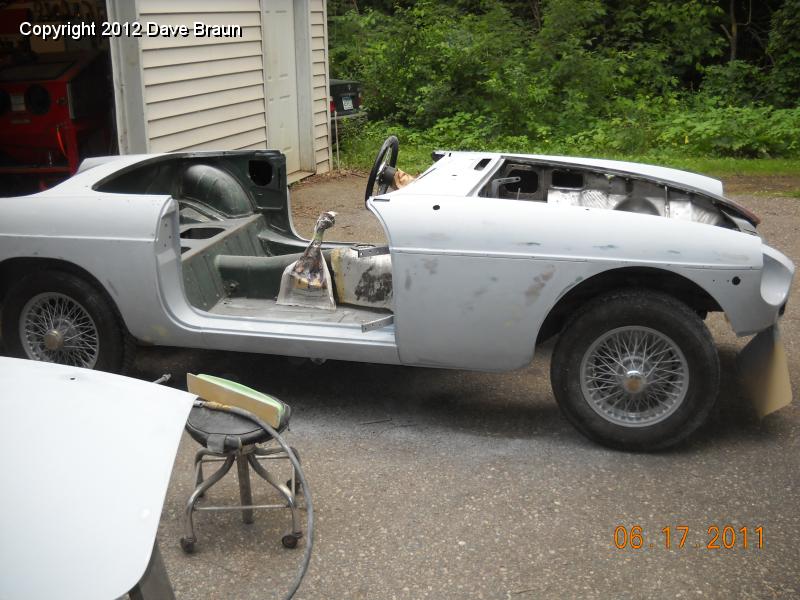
[[245, 458]]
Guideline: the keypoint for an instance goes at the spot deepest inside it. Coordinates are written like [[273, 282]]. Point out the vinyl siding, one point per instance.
[[319, 82], [203, 93], [208, 93]]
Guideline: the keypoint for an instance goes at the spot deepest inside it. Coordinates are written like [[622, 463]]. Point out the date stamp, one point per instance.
[[133, 29], [717, 537]]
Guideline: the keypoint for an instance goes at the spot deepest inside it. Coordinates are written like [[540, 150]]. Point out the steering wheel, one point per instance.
[[383, 168]]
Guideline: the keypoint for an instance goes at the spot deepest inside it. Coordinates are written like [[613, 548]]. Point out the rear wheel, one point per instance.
[[636, 370], [58, 317]]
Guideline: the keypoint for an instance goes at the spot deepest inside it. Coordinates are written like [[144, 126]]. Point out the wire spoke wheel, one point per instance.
[[634, 376], [56, 328]]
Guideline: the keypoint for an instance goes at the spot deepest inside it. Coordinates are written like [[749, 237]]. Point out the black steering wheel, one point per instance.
[[383, 168]]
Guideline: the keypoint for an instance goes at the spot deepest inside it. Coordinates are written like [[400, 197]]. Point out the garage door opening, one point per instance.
[[56, 98], [261, 82]]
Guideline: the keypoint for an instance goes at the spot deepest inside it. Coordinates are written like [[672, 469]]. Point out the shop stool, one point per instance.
[[227, 438]]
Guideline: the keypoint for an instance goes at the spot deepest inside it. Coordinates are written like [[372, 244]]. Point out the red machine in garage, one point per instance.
[[53, 113]]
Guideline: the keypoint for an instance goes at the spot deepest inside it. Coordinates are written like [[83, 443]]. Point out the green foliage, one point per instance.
[[425, 62], [608, 77], [784, 49], [735, 131], [736, 83]]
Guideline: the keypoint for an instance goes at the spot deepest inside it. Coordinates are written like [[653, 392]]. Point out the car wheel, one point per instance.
[[57, 317], [635, 370]]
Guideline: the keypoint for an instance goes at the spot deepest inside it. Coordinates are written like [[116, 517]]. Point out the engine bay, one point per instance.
[[517, 179]]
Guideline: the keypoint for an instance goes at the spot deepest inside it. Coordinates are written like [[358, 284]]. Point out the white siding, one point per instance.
[[204, 93], [319, 82], [209, 93]]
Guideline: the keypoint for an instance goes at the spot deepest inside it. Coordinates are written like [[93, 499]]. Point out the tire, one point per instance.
[[635, 370], [85, 313]]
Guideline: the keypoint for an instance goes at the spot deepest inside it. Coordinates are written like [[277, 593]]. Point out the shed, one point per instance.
[[258, 81]]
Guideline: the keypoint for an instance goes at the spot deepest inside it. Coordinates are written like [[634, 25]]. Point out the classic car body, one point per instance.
[[489, 253]]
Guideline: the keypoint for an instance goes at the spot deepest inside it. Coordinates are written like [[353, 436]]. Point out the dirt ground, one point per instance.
[[450, 484], [343, 194]]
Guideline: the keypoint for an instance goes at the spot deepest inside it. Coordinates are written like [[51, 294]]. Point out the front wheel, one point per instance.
[[635, 370], [58, 317]]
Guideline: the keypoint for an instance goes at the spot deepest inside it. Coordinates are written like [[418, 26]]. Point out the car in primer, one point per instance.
[[488, 256]]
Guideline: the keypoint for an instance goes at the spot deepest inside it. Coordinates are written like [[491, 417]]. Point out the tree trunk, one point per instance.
[[734, 35]]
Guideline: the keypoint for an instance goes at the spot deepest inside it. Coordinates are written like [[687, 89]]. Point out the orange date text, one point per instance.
[[716, 537]]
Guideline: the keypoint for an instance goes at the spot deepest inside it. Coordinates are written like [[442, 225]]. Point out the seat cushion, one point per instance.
[[231, 393], [220, 431]]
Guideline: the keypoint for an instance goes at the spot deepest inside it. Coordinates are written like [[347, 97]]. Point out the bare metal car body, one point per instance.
[[489, 253], [86, 533]]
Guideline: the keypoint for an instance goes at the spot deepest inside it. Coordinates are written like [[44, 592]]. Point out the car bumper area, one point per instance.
[[776, 279], [758, 298]]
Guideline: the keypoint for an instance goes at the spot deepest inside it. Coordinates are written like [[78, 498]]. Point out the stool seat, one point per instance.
[[221, 431]]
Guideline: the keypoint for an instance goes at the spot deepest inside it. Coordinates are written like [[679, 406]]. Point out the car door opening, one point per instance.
[[236, 243]]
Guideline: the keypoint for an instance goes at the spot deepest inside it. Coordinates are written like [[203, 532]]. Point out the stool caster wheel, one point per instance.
[[298, 489], [187, 545], [290, 540]]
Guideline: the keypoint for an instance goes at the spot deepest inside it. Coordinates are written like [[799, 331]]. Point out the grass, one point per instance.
[[788, 194], [358, 152]]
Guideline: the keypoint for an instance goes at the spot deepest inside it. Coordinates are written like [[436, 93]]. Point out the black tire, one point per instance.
[[115, 346], [652, 310]]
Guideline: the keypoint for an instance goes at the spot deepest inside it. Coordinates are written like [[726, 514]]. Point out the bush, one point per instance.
[[749, 132], [736, 83], [425, 62], [600, 77]]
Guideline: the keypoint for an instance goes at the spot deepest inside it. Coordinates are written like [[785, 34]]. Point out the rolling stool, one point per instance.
[[230, 438]]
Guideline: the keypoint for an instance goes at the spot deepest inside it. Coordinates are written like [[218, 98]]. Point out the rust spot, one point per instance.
[[468, 307], [374, 288], [539, 283], [431, 264]]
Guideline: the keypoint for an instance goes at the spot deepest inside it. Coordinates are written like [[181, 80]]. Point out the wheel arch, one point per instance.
[[14, 269], [663, 280]]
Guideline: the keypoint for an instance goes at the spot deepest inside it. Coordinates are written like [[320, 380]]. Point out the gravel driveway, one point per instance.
[[449, 484]]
